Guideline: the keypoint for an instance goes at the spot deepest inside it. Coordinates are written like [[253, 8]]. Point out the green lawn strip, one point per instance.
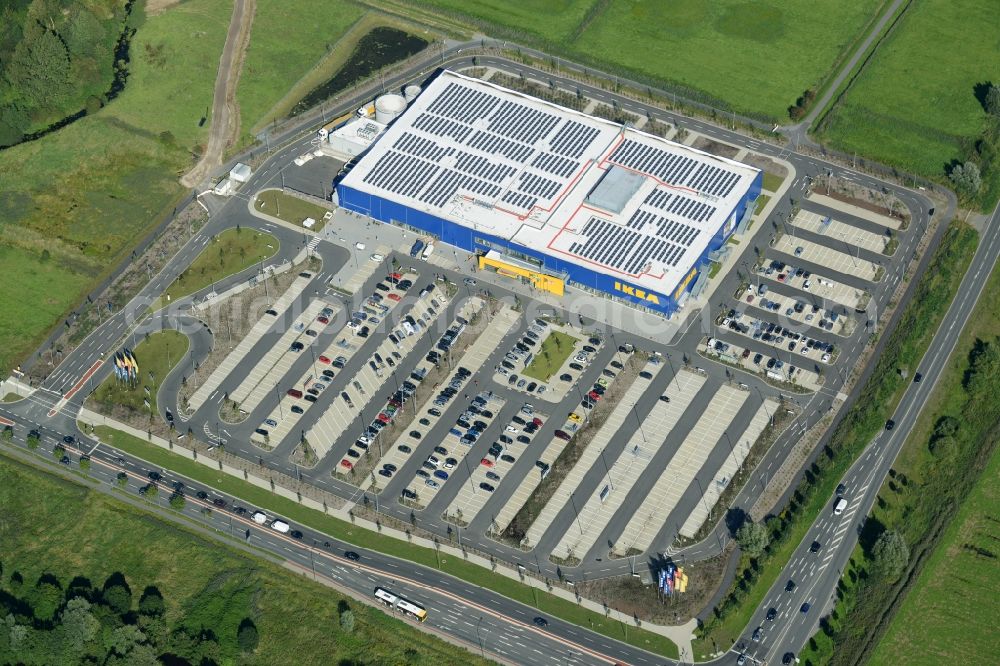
[[12, 397], [552, 353], [713, 269], [365, 538], [867, 417], [205, 584], [772, 182], [761, 202], [228, 253], [288, 208], [156, 356]]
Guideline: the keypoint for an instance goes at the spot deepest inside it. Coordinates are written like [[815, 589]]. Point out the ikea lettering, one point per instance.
[[629, 290]]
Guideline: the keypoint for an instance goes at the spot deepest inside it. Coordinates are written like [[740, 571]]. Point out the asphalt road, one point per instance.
[[108, 336]]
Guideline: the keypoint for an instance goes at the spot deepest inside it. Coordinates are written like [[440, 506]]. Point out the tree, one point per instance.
[[151, 602], [890, 555], [33, 440], [966, 178], [247, 636], [58, 451], [118, 598], [79, 626], [752, 538], [177, 501], [151, 490], [7, 434], [46, 598], [347, 620], [84, 463], [993, 100], [125, 638]]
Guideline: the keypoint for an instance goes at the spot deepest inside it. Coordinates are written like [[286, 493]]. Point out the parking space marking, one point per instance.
[[270, 369], [614, 423], [471, 360], [732, 463], [836, 260], [807, 379], [856, 211], [239, 354], [816, 286], [624, 473], [834, 228], [681, 470], [525, 487]]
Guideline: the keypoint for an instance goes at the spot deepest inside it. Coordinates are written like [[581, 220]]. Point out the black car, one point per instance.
[[273, 313], [594, 341], [576, 366], [201, 494], [616, 365], [790, 585], [566, 377], [541, 622], [309, 398], [589, 349], [841, 489], [917, 378], [665, 398], [890, 424], [296, 534], [409, 494], [487, 487], [219, 502], [771, 614], [154, 476], [328, 373], [789, 658], [404, 448], [814, 548], [69, 439], [297, 410], [646, 375], [352, 556]]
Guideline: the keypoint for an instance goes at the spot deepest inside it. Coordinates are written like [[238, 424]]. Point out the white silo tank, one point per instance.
[[388, 107], [410, 93]]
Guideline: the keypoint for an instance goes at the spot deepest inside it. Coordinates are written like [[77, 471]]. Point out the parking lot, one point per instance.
[[614, 424], [680, 472], [486, 477], [835, 260], [269, 372], [855, 211], [833, 228], [801, 311], [786, 340], [643, 445], [546, 361], [817, 288], [764, 365], [295, 399], [371, 378], [253, 336], [525, 486], [740, 449], [397, 455]]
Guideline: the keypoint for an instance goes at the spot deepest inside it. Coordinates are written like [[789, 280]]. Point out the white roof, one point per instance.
[[616, 200], [241, 172], [361, 131]]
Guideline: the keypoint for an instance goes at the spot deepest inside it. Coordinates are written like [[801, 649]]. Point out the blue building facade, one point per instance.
[[471, 240]]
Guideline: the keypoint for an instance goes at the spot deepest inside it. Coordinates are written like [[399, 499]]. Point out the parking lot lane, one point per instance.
[[741, 447], [837, 260], [831, 227], [246, 346], [680, 472], [613, 424], [595, 512]]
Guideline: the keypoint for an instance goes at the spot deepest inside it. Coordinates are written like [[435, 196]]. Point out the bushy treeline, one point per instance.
[[57, 58], [49, 622]]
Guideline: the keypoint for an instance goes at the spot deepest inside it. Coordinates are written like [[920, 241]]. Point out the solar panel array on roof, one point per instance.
[[522, 123], [675, 169], [573, 139], [403, 174], [623, 249]]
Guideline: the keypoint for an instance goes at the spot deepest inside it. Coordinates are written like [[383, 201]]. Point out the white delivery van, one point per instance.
[[839, 506], [280, 526], [428, 251], [259, 517]]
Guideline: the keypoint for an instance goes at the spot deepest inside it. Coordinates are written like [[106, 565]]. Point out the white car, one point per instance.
[[359, 245], [826, 358], [378, 257]]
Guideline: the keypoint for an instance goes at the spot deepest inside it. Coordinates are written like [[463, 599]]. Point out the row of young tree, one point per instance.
[[57, 59], [47, 622]]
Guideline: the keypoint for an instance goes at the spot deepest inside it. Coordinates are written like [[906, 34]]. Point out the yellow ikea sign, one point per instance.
[[635, 292]]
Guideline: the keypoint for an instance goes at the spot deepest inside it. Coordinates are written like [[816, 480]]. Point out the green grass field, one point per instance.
[[552, 353], [914, 103], [229, 253], [472, 573], [289, 208], [284, 47], [957, 589], [73, 203], [156, 356], [703, 46], [213, 587]]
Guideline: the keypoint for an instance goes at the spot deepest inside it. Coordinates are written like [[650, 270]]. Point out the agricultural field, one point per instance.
[[73, 203], [706, 47], [206, 585], [956, 591], [915, 102], [274, 62]]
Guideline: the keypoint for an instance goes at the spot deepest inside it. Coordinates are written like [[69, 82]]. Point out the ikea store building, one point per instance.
[[550, 195]]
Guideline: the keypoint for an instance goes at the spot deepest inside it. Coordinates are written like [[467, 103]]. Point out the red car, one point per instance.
[[561, 435], [750, 298], [383, 418], [395, 277], [537, 421], [487, 462], [593, 395], [346, 464], [781, 277], [394, 297], [323, 320], [324, 359]]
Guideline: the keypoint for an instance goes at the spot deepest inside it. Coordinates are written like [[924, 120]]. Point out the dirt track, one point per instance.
[[225, 111]]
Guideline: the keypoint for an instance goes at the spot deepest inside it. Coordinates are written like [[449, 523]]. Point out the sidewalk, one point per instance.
[[681, 635]]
